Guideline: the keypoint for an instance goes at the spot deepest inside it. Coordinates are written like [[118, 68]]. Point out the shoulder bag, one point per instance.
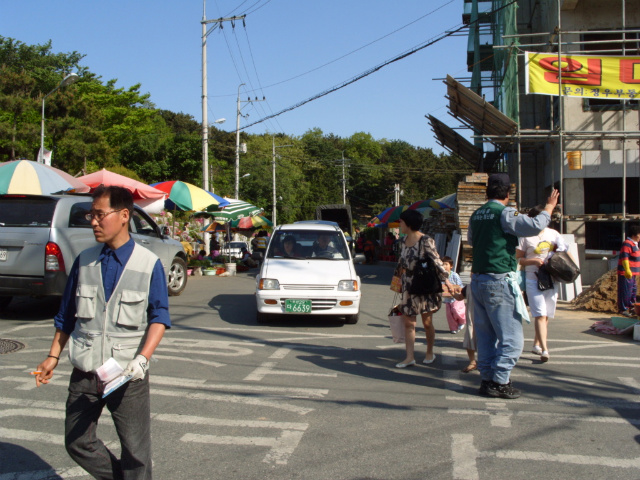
[[425, 279]]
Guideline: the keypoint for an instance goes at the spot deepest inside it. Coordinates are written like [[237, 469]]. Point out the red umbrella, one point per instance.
[[139, 190], [149, 198]]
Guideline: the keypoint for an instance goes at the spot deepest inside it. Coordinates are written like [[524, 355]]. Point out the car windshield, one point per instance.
[[23, 211], [308, 244]]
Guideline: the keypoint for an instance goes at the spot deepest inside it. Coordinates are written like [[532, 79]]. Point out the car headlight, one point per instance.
[[269, 284], [348, 285]]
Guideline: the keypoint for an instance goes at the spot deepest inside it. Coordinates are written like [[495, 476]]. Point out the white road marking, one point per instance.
[[267, 368], [571, 380], [499, 414], [281, 448], [220, 352], [291, 392], [631, 383], [29, 436], [568, 401], [452, 380], [13, 367], [26, 383], [464, 454], [190, 360], [233, 399], [280, 353], [63, 473], [549, 415]]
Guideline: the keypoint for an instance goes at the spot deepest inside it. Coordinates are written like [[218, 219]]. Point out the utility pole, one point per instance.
[[217, 23], [273, 167], [248, 100], [344, 178]]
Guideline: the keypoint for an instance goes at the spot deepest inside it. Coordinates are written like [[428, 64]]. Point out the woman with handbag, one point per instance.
[[418, 249], [532, 253]]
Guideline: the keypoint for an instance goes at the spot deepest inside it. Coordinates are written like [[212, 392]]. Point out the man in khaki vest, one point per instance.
[[115, 305]]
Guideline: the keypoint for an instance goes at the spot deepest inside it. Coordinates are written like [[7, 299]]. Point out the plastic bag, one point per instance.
[[396, 323]]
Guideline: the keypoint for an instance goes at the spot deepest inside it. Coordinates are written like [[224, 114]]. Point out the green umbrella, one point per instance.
[[235, 211]]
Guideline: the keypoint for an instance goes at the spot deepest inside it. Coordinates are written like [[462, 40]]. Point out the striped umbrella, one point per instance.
[[33, 178], [247, 223], [389, 216], [235, 210], [187, 197]]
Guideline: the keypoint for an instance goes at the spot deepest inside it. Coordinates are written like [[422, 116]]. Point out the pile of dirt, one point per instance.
[[602, 296]]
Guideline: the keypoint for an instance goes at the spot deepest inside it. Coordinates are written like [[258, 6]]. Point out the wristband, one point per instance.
[[51, 356]]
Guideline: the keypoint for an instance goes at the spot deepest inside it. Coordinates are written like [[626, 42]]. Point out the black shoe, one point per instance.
[[484, 387], [506, 390]]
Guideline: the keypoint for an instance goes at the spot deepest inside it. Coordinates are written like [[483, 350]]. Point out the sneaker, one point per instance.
[[544, 356], [453, 332], [497, 390], [461, 327], [484, 387], [536, 350]]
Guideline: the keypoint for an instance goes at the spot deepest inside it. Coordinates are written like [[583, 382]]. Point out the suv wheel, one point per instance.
[[352, 319], [177, 277]]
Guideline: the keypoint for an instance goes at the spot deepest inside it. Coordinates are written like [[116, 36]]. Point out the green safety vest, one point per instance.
[[494, 250]]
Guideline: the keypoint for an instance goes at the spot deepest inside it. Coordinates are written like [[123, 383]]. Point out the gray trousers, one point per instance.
[[130, 410]]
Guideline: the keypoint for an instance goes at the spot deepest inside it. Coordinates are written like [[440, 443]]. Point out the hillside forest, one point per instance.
[[92, 124]]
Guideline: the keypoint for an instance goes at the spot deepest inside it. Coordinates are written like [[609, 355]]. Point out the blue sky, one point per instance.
[[158, 44]]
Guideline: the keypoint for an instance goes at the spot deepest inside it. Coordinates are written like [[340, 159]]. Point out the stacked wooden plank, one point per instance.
[[471, 195]]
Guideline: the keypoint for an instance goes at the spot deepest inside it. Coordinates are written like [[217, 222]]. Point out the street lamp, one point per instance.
[[68, 80]]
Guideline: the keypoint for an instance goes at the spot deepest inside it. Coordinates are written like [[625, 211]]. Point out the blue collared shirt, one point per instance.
[[112, 263]]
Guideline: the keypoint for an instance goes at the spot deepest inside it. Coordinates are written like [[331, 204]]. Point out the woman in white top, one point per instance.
[[531, 253]]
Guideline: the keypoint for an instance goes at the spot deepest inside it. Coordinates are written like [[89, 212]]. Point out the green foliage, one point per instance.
[[93, 124]]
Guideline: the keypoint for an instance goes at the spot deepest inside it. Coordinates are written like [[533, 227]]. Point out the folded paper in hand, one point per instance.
[[110, 373]]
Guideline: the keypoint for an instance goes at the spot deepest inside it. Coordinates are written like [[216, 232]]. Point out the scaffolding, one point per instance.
[[500, 25]]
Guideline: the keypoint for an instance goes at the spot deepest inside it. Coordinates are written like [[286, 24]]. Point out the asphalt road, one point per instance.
[[307, 398]]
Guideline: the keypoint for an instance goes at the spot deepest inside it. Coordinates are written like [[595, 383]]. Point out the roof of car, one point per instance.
[[311, 225]]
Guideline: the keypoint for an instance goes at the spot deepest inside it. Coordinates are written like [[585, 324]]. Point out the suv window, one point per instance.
[[22, 211], [308, 244], [142, 225], [77, 214]]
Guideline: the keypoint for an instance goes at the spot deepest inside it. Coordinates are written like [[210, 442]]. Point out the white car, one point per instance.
[[308, 270]]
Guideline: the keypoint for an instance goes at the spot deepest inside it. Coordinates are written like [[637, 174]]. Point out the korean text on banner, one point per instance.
[[589, 76]]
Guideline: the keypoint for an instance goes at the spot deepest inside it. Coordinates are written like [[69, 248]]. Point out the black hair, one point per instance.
[[497, 192], [412, 218], [119, 197], [634, 230], [535, 211], [448, 260], [289, 239]]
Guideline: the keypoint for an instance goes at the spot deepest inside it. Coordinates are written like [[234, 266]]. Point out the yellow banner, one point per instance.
[[592, 76]]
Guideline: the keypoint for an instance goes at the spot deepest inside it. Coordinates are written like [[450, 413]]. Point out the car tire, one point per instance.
[[4, 302], [352, 319], [177, 280]]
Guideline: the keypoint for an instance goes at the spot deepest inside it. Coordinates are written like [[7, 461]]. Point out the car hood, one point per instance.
[[308, 272]]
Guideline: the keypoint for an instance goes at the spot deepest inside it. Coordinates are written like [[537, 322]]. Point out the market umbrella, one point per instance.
[[247, 223], [431, 203], [388, 215], [236, 210], [33, 178], [149, 198], [188, 197]]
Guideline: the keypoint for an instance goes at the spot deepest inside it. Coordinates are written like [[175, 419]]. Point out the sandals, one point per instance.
[[470, 368]]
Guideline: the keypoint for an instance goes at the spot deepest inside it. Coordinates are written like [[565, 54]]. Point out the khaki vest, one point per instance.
[[116, 328]]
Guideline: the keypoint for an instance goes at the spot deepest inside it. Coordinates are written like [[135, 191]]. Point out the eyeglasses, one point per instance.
[[99, 216]]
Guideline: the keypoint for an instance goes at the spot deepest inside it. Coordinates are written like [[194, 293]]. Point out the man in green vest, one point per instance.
[[498, 305]]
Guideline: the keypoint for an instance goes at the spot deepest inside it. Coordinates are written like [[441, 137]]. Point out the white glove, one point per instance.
[[137, 367]]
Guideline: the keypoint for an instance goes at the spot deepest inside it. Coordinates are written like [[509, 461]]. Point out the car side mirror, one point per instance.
[[359, 258]]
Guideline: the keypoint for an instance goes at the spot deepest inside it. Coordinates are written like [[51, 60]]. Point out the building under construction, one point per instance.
[[586, 147]]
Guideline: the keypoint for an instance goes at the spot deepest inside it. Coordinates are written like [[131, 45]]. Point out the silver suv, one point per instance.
[[41, 235]]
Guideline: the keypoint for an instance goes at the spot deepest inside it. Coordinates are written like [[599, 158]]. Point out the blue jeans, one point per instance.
[[130, 410], [498, 329]]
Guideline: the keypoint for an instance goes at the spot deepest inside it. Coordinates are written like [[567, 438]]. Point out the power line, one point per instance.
[[346, 83]]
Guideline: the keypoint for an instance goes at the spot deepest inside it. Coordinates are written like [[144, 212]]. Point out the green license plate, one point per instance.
[[297, 306]]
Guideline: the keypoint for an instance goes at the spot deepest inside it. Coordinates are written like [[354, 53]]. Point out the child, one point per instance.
[[469, 342], [455, 308]]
